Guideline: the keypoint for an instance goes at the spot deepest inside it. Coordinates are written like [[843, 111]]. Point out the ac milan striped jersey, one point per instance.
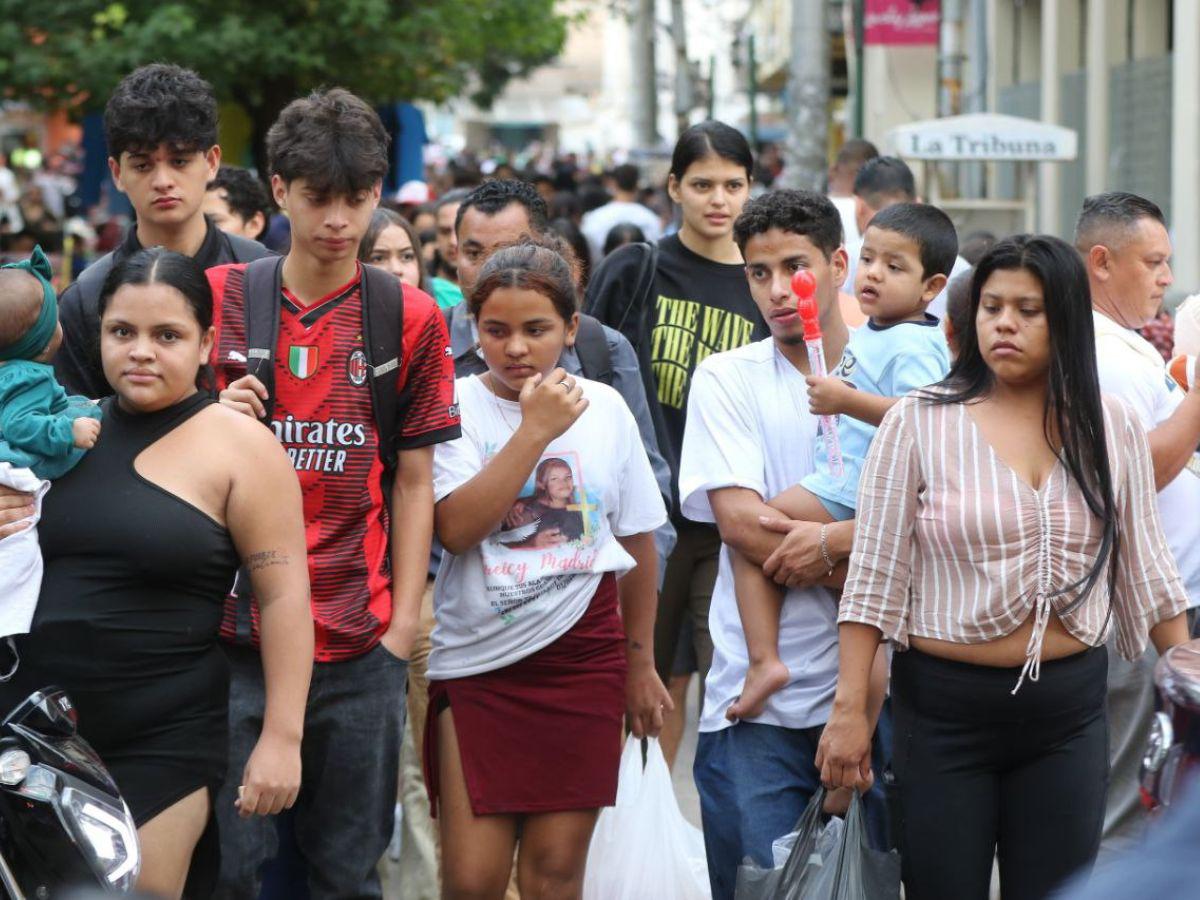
[[323, 418]]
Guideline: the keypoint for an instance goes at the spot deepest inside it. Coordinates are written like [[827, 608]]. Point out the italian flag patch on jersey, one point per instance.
[[302, 361]]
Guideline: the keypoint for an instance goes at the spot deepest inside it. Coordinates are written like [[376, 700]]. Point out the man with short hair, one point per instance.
[[445, 260], [624, 208], [368, 540], [882, 182], [237, 202], [161, 127], [1126, 249], [749, 436], [850, 159]]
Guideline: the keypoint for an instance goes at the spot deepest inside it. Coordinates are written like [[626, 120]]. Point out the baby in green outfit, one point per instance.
[[44, 431], [42, 428]]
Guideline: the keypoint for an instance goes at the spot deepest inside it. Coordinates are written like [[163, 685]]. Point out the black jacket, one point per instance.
[[77, 363]]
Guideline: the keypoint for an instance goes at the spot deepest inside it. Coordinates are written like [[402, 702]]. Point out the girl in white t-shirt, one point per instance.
[[546, 507]]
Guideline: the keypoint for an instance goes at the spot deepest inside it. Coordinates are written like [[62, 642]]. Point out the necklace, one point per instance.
[[512, 429]]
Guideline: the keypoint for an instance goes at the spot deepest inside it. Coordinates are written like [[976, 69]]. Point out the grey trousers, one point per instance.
[[345, 812]]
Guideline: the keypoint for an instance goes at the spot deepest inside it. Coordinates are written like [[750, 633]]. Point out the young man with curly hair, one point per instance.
[[161, 127], [368, 539], [238, 203]]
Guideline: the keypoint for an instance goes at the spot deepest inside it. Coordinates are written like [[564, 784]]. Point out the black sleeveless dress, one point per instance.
[[128, 616]]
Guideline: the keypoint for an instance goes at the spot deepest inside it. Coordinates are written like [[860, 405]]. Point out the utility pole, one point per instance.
[[752, 65], [859, 12], [805, 154], [685, 97], [950, 77], [950, 58], [974, 179], [645, 81]]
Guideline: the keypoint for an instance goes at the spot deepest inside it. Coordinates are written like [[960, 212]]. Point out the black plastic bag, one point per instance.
[[849, 870]]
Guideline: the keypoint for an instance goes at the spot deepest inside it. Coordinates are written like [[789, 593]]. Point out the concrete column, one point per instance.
[[1096, 58], [1185, 138], [1049, 220]]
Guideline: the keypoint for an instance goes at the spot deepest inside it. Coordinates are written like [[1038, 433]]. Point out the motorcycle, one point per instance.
[[63, 823], [1173, 749]]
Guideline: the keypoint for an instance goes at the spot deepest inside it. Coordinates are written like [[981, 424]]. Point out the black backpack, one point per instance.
[[383, 329], [591, 346]]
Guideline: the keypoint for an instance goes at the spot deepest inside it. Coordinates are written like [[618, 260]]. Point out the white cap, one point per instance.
[[1187, 327], [413, 192]]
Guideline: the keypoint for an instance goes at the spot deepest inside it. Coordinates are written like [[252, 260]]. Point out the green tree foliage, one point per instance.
[[263, 53]]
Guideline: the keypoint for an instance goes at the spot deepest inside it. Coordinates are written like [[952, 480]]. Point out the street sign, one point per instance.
[[901, 23], [984, 137]]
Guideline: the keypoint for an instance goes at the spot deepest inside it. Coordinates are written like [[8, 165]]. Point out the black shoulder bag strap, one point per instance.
[[261, 291], [591, 346]]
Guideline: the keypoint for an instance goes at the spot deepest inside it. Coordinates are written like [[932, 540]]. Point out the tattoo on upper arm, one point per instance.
[[634, 645], [266, 559]]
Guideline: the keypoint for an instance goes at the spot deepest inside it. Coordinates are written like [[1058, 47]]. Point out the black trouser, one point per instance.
[[980, 773]]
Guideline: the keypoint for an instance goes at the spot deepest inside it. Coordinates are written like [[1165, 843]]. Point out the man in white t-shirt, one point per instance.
[[621, 210], [750, 436], [855, 153], [882, 182], [1126, 249]]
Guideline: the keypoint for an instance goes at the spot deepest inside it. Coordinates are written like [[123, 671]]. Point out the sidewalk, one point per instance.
[[685, 787]]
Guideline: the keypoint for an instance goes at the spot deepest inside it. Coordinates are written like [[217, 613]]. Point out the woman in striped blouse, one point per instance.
[[1005, 518]]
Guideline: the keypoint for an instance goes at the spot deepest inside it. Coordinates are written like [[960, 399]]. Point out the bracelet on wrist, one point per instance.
[[829, 563]]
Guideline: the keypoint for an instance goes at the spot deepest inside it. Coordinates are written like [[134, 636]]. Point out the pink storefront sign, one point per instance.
[[909, 23]]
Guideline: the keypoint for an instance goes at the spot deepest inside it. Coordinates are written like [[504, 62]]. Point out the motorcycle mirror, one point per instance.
[[47, 712]]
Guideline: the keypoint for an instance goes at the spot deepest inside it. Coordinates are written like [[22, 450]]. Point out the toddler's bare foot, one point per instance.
[[762, 680]]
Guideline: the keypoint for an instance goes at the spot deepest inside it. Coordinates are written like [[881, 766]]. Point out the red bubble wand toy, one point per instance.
[[804, 286]]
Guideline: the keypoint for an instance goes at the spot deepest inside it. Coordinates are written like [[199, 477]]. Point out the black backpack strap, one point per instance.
[[641, 297], [262, 290], [591, 346], [383, 333]]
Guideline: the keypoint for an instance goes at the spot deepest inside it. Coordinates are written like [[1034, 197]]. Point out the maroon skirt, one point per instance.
[[543, 734]]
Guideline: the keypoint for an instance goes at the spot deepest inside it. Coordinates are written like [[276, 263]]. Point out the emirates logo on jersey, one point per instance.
[[356, 368], [302, 361]]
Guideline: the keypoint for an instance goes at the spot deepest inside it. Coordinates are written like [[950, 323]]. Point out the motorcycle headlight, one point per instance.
[[106, 834], [14, 765], [1162, 736]]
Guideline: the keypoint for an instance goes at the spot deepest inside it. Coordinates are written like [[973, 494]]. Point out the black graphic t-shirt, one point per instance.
[[703, 307]]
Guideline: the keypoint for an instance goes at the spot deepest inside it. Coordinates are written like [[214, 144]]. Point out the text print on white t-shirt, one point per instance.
[[549, 534]]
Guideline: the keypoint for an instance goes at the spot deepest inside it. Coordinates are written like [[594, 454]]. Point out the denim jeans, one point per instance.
[[345, 811], [754, 782]]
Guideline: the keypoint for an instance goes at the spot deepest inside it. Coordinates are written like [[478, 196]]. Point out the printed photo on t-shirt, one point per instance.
[[549, 536], [554, 509]]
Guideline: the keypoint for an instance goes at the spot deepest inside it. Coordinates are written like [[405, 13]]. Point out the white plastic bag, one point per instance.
[[781, 849], [643, 848]]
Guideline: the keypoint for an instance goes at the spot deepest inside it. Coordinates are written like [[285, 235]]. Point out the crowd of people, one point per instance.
[[37, 195], [538, 448]]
